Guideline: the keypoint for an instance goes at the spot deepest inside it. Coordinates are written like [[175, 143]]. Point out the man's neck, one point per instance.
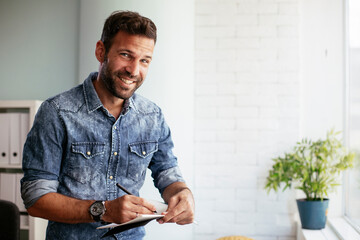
[[113, 104]]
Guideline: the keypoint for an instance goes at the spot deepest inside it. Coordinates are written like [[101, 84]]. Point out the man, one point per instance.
[[100, 133]]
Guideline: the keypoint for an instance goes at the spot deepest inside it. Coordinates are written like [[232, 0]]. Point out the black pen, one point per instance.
[[124, 189]]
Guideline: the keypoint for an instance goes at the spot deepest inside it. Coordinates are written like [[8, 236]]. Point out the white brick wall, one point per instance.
[[247, 112]]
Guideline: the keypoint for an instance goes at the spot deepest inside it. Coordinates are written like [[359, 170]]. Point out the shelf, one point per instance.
[[24, 227], [31, 105], [32, 228], [24, 221], [336, 229], [19, 103], [18, 166]]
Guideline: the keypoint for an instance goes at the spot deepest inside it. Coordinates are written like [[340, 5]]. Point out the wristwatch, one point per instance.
[[97, 210]]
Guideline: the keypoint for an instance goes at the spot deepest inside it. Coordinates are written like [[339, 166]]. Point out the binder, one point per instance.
[[7, 186], [18, 200], [4, 138], [24, 130], [24, 221], [14, 138]]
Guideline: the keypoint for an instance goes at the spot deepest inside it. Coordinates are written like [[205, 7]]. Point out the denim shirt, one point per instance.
[[78, 149]]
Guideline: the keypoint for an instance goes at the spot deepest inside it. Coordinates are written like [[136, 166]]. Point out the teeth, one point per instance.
[[126, 81]]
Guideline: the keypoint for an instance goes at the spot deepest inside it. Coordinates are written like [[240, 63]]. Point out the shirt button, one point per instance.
[[88, 153], [115, 153], [144, 153], [111, 177], [115, 127]]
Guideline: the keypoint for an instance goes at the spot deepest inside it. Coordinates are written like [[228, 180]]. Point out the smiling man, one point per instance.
[[100, 133]]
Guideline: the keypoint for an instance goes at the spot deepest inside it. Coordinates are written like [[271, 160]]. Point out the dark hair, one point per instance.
[[129, 22]]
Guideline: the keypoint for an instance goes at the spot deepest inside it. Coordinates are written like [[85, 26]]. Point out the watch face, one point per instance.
[[97, 209]]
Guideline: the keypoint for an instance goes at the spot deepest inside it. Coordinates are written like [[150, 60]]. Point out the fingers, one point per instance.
[[180, 211], [126, 208], [181, 218], [137, 205]]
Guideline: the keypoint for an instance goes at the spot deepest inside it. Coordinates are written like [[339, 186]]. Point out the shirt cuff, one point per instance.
[[31, 191], [167, 177]]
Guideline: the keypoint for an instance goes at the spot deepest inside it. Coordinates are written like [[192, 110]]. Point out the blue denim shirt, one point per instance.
[[77, 148]]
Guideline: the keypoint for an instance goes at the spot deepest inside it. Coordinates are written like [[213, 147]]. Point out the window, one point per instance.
[[352, 203]]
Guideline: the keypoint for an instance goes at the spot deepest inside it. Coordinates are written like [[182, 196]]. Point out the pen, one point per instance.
[[124, 189]]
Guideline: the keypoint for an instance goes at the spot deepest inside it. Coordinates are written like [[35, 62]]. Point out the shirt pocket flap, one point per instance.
[[143, 149], [88, 149]]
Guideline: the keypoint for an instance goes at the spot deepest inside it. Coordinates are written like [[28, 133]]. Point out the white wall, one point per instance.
[[39, 48], [247, 111], [322, 66], [169, 82], [322, 51], [267, 74]]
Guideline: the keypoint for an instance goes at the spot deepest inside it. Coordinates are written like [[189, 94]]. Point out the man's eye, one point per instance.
[[124, 54], [145, 61]]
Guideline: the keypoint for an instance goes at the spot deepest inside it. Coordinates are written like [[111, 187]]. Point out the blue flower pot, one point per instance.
[[313, 214]]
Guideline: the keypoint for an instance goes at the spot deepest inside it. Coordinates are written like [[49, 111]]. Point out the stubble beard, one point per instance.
[[108, 78]]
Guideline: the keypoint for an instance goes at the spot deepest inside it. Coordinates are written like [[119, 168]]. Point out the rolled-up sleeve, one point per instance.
[[164, 167], [31, 191], [167, 177], [42, 155]]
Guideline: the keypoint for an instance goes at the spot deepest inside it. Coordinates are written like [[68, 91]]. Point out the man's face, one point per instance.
[[126, 64]]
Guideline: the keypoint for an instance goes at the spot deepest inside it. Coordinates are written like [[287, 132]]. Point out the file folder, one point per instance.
[[4, 138], [7, 186], [18, 200], [24, 130], [14, 138]]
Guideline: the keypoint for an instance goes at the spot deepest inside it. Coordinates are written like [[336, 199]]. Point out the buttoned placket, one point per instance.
[[114, 159]]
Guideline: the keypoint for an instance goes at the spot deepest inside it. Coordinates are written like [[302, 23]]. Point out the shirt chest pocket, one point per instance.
[[86, 161], [140, 154]]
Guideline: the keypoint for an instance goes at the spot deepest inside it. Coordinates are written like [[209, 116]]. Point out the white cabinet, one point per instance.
[[21, 114]]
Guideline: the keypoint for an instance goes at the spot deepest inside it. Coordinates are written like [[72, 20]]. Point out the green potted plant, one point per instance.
[[314, 168]]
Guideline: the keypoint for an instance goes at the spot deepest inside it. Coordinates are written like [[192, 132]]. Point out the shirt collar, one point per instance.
[[128, 103], [91, 98]]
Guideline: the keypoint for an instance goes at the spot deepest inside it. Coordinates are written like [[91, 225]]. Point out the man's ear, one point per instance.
[[100, 51]]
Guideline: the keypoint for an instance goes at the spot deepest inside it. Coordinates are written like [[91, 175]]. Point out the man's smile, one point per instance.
[[126, 81]]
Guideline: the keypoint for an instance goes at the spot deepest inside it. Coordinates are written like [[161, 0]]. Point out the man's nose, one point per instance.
[[133, 68]]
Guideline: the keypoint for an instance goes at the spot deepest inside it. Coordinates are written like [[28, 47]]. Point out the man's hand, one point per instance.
[[181, 205], [126, 208]]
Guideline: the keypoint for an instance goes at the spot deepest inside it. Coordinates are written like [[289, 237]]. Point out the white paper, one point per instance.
[[160, 208], [139, 218]]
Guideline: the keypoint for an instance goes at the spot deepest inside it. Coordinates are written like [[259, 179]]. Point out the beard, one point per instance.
[[111, 80]]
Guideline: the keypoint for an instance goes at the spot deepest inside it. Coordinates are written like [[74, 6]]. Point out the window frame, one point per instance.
[[347, 95]]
